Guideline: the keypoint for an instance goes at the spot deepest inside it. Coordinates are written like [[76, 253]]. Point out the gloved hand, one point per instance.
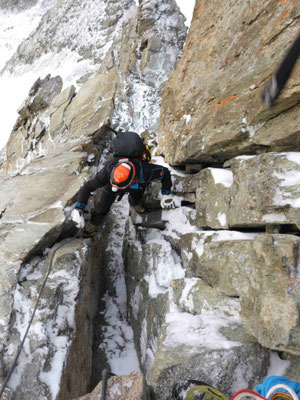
[[167, 202], [77, 218]]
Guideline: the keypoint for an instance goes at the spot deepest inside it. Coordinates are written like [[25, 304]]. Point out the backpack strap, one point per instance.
[[141, 182], [141, 174]]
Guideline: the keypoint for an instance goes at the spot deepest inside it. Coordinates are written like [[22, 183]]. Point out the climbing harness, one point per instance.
[[31, 319]]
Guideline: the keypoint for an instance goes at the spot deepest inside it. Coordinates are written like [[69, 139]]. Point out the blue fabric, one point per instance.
[[138, 186], [135, 186], [271, 381], [160, 176], [141, 175], [80, 205], [166, 191]]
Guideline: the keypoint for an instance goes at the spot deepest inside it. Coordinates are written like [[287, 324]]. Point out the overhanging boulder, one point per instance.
[[211, 107]]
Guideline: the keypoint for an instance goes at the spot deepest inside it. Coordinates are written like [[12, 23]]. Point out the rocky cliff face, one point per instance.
[[56, 143], [213, 288], [17, 5], [212, 120], [211, 108]]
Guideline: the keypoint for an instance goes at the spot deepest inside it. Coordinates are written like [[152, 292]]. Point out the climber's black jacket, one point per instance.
[[145, 172]]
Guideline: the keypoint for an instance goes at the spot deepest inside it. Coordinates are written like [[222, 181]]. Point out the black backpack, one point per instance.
[[129, 145]]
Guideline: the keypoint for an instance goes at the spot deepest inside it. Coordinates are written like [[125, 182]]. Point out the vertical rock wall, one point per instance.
[[55, 145], [201, 294], [211, 107], [238, 252]]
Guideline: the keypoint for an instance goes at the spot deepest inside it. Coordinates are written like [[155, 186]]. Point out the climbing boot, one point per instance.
[[89, 231], [140, 209]]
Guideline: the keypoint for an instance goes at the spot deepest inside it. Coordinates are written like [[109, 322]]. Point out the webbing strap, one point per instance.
[[141, 177]]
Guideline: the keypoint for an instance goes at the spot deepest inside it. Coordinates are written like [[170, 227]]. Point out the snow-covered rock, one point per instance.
[[87, 28], [201, 303], [54, 146], [266, 190], [54, 353], [122, 387], [183, 328]]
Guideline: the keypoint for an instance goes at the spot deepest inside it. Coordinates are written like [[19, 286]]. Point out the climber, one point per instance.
[[117, 177]]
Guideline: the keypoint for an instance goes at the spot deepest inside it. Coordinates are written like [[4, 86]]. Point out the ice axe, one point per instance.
[[282, 74]]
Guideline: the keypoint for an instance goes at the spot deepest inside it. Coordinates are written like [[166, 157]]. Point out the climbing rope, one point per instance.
[[30, 322], [105, 375], [282, 386], [249, 393], [104, 384]]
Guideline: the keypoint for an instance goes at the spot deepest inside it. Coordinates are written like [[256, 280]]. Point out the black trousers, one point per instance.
[[106, 199]]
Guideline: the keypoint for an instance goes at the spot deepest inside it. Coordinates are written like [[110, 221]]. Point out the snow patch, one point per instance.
[[274, 218], [202, 330], [161, 161], [244, 158], [186, 298], [222, 176], [221, 217], [181, 215], [198, 242], [52, 378], [187, 8], [186, 118], [166, 266], [143, 340], [287, 192], [251, 129], [118, 343], [232, 235], [294, 157], [277, 366]]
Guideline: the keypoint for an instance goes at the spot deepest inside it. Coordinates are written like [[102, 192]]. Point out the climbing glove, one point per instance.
[[77, 218], [167, 202]]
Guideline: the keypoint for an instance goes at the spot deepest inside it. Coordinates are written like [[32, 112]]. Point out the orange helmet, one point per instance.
[[122, 175]]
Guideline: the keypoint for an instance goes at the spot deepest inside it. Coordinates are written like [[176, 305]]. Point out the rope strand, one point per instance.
[[30, 322]]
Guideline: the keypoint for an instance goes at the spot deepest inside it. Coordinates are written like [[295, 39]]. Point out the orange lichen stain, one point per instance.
[[286, 4], [282, 15], [223, 102]]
